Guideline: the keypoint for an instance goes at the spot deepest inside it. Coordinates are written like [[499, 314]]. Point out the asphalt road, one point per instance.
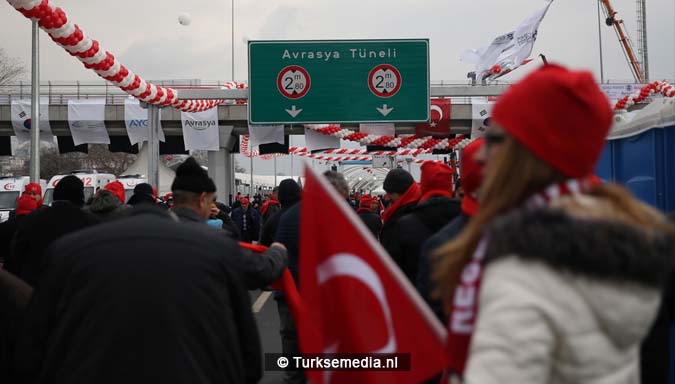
[[268, 328]]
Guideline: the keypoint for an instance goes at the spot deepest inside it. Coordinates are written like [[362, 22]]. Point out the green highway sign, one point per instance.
[[338, 81]]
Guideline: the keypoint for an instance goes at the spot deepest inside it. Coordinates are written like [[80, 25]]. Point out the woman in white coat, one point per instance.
[[558, 278]]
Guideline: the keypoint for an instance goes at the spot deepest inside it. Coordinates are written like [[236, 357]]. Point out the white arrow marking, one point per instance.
[[384, 110], [293, 111]]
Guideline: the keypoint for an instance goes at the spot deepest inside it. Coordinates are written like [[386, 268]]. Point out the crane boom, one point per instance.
[[618, 25]]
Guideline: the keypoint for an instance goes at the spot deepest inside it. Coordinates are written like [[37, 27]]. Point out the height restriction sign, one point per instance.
[[338, 81]]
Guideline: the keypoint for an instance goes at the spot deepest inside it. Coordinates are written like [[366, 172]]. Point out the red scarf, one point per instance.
[[410, 196], [267, 204], [469, 206], [465, 302]]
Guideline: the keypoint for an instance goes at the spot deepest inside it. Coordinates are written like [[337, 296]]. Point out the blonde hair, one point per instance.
[[512, 175]]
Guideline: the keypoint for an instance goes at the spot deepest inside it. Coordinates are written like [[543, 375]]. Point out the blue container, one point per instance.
[[645, 164]]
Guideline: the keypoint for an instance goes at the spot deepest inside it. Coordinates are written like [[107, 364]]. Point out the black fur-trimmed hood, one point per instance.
[[603, 249]]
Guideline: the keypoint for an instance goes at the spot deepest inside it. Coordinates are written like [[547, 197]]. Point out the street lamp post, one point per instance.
[[35, 106]]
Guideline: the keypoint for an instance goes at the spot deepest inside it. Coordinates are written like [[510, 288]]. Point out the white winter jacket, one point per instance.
[[567, 296]]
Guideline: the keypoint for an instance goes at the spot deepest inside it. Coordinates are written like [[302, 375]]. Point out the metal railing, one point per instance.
[[59, 92]]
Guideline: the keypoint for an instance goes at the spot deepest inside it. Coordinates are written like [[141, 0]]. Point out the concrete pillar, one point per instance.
[[220, 165]]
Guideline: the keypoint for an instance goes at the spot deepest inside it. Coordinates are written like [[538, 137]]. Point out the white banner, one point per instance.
[[385, 129], [200, 130], [86, 120], [265, 134], [509, 50], [617, 91], [21, 120], [481, 109], [136, 121], [316, 141]]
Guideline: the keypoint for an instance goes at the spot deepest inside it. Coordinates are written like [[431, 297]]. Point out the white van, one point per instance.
[[10, 190], [130, 182], [92, 181]]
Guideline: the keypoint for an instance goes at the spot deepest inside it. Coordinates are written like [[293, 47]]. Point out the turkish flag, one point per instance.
[[439, 125], [355, 299]]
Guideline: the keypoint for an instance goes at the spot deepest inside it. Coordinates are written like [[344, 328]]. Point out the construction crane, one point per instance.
[[636, 65]]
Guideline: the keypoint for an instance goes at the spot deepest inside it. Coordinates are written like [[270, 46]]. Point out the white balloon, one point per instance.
[[184, 19]]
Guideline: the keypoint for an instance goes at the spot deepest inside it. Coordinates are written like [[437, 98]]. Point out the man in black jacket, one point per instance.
[[434, 210], [289, 194], [193, 195], [44, 226], [370, 218], [403, 193], [138, 300]]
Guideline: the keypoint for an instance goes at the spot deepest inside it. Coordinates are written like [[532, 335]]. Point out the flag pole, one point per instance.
[[35, 106]]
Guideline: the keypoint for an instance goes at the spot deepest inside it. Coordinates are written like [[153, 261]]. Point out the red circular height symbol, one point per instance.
[[293, 82], [384, 80]]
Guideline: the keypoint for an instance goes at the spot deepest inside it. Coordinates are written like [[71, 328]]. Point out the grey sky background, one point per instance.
[[146, 36]]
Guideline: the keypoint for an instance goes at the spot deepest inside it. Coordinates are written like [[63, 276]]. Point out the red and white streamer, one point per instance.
[[348, 151], [244, 148], [664, 88], [412, 142], [54, 21]]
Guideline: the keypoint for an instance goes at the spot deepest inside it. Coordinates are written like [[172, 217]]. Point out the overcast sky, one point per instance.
[[146, 36]]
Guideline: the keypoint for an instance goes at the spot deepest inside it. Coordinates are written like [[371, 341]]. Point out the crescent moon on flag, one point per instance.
[[439, 110], [345, 264]]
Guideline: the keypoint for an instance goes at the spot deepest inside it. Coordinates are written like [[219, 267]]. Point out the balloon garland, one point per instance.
[[413, 142], [664, 88], [54, 21], [347, 151]]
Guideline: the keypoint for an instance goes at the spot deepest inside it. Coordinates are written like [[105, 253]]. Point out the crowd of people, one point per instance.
[[541, 272]]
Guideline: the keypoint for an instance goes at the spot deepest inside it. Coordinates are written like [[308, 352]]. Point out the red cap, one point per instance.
[[25, 204], [33, 188], [244, 201], [561, 116], [436, 180], [117, 189]]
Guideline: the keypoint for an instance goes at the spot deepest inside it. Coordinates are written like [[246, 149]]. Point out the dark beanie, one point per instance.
[[398, 181], [191, 177], [289, 192], [143, 188], [70, 188]]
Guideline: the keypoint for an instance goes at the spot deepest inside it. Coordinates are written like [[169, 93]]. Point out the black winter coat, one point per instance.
[[37, 232], [257, 270], [416, 227], [389, 232], [271, 225], [7, 231], [140, 300], [14, 296], [372, 221], [424, 284]]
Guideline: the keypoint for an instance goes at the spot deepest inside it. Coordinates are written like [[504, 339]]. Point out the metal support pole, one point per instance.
[[35, 107], [602, 67], [275, 171], [232, 36], [252, 194], [153, 146]]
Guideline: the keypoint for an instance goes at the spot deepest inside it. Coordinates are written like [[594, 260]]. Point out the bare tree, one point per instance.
[[10, 68], [99, 159]]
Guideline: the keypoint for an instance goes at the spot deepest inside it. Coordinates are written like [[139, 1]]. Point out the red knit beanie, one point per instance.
[[25, 204], [366, 201], [472, 176], [436, 180], [117, 189], [561, 116]]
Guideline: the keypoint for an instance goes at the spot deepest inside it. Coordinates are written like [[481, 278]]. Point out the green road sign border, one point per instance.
[[340, 41]]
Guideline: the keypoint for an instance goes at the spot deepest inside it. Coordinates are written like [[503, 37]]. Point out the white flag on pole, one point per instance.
[[86, 120], [508, 51], [481, 110], [21, 119], [136, 121], [200, 130]]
